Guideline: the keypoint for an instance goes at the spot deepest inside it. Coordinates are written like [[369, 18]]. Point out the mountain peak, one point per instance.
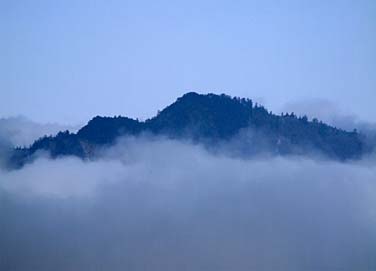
[[204, 115], [210, 119]]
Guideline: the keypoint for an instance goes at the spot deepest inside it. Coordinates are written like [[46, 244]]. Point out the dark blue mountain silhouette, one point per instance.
[[209, 119]]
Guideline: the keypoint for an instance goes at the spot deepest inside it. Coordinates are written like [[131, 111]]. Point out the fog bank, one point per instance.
[[166, 205]]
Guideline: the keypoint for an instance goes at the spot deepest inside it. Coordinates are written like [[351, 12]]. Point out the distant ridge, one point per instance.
[[210, 119]]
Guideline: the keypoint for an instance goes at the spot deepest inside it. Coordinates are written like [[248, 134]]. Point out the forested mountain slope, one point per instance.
[[209, 119]]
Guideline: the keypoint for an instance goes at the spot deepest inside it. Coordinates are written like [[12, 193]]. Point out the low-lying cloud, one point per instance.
[[157, 204]]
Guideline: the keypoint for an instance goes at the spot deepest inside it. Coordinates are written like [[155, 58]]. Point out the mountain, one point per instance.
[[211, 120]]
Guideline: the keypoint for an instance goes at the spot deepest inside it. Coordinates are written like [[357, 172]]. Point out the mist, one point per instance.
[[330, 113], [21, 131], [159, 204]]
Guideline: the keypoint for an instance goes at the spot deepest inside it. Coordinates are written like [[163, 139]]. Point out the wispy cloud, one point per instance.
[[329, 112], [20, 131]]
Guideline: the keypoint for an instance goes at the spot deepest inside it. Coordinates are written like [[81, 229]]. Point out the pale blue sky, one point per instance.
[[66, 61]]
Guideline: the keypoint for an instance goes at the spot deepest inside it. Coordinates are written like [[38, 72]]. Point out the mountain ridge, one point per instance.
[[208, 119]]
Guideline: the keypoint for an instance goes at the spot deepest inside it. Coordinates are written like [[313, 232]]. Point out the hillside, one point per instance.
[[211, 120]]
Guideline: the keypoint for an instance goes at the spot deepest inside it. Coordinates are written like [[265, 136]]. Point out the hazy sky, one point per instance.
[[67, 61]]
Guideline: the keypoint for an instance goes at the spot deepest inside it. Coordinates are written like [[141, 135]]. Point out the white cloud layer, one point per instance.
[[165, 205]]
